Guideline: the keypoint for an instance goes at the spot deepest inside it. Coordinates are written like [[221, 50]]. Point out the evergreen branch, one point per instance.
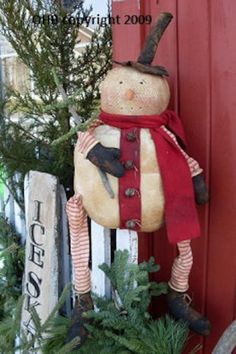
[[68, 347], [61, 90], [57, 307], [10, 327], [82, 127], [66, 136], [124, 342]]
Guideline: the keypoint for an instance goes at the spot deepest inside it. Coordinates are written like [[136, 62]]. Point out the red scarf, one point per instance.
[[180, 212]]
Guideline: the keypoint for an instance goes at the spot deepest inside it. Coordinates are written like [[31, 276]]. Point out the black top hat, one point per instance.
[[147, 54]]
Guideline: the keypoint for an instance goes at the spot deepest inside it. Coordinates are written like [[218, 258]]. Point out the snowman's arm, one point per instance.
[[95, 123], [194, 166], [200, 189], [107, 159], [86, 140]]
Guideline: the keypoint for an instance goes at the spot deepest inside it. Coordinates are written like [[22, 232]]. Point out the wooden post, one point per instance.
[[19, 218], [128, 240], [101, 252], [41, 261], [65, 258]]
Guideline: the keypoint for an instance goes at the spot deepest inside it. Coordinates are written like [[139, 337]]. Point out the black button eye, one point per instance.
[[121, 82], [141, 82]]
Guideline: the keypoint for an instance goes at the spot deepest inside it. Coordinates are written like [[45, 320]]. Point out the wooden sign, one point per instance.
[[42, 251]]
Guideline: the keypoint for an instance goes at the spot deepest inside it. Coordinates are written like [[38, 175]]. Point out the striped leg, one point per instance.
[[79, 243], [182, 267]]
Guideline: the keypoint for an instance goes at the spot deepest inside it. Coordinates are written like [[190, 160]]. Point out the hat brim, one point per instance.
[[145, 68]]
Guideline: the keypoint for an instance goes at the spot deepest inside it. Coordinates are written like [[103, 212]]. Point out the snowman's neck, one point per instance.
[[168, 118], [128, 121]]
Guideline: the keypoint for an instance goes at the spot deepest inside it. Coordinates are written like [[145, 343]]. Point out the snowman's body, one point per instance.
[[105, 210], [128, 92]]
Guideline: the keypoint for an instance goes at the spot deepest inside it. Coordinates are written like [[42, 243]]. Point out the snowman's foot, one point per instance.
[[179, 308], [82, 304]]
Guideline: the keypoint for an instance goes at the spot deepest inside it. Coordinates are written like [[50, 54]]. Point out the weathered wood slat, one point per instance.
[[128, 240], [64, 249], [19, 219], [41, 261], [101, 252]]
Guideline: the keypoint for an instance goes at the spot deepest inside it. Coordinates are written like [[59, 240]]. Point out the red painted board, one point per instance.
[[199, 50], [126, 36], [194, 110], [163, 252], [221, 296]]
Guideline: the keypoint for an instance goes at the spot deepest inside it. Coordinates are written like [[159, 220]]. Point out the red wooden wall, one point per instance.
[[199, 50]]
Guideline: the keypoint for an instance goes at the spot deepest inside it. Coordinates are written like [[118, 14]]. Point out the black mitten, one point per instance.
[[107, 159], [200, 189]]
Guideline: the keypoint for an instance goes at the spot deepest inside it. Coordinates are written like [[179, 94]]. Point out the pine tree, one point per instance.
[[26, 142], [32, 121]]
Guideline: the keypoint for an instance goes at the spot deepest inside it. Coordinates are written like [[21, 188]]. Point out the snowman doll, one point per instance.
[[141, 146]]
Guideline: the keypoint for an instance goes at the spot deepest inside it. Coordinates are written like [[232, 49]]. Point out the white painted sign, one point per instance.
[[41, 266]]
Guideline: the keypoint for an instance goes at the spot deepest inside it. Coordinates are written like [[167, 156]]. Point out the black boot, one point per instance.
[[83, 303], [179, 308]]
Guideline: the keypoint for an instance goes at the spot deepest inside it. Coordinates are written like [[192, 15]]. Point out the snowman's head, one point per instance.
[[130, 92]]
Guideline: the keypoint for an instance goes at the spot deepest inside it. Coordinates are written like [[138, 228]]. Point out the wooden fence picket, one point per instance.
[[19, 217], [128, 240], [64, 250], [101, 253]]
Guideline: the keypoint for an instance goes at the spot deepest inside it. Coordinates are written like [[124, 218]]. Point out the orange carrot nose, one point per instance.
[[129, 94]]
